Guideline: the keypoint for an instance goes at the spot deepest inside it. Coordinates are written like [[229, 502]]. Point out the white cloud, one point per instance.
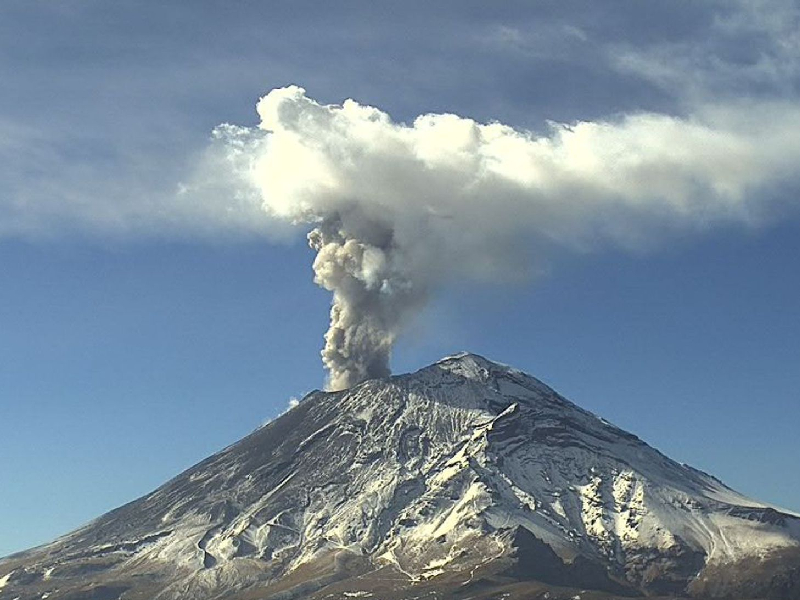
[[453, 177], [399, 208]]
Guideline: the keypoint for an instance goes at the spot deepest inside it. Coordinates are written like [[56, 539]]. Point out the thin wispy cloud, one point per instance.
[[750, 48]]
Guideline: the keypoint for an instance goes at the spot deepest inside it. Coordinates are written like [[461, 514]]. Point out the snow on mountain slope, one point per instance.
[[463, 469]]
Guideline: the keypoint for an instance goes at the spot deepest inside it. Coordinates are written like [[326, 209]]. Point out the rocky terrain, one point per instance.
[[466, 479]]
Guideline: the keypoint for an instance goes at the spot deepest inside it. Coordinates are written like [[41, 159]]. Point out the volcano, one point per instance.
[[466, 479]]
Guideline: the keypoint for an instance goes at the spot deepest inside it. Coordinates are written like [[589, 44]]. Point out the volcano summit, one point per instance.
[[466, 479]]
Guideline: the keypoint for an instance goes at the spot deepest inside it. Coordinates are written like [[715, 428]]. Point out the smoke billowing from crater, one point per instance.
[[396, 210], [372, 297]]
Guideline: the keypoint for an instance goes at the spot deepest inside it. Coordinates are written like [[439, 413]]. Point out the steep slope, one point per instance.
[[464, 478]]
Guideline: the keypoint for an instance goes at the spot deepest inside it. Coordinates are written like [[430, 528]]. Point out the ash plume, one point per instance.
[[396, 210], [372, 297]]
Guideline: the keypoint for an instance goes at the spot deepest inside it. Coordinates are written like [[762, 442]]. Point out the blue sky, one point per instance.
[[138, 339]]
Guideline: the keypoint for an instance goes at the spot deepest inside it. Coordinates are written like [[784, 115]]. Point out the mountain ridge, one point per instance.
[[465, 474]]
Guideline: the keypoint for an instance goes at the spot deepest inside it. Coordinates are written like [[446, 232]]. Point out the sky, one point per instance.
[[150, 317]]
